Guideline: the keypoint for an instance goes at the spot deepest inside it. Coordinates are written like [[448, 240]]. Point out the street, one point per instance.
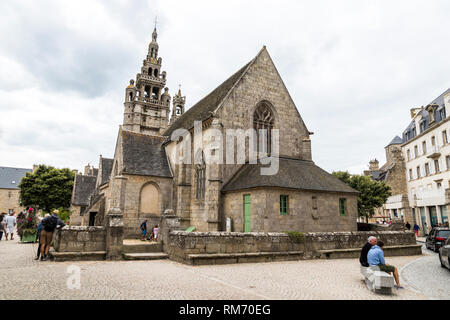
[[427, 276]]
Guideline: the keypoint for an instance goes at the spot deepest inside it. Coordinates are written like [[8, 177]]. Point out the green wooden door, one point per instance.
[[247, 214]]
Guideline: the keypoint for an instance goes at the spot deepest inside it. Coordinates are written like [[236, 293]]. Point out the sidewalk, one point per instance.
[[421, 239]]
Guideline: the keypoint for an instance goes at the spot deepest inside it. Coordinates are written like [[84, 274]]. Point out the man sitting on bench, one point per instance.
[[372, 241], [375, 257]]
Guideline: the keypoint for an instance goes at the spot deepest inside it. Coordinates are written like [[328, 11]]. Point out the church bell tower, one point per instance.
[[147, 100]]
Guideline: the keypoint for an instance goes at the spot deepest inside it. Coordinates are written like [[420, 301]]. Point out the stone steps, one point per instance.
[[146, 256], [144, 247], [76, 256]]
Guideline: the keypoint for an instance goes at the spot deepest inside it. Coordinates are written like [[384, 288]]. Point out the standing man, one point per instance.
[[49, 225], [372, 241], [11, 222], [408, 226]]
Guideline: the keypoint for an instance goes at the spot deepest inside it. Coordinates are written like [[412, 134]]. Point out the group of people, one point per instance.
[[45, 229], [7, 225], [372, 255], [152, 236]]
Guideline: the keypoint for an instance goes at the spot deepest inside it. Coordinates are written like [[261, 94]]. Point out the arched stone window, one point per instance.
[[200, 177], [155, 73], [150, 200], [150, 71], [263, 119]]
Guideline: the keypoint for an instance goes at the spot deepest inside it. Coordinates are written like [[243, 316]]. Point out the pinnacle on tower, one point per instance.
[[178, 106]]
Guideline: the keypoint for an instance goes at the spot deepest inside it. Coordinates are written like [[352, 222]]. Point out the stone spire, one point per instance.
[[147, 108], [178, 106]]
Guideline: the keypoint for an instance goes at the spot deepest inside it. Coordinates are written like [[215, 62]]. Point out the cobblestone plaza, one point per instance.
[[24, 278]]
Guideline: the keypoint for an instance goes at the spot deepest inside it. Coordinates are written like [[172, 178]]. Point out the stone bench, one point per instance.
[[378, 281], [249, 257]]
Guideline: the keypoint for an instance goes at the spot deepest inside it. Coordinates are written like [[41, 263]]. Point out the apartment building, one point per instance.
[[426, 150]]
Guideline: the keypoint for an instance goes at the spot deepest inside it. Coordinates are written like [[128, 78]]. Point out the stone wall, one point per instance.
[[80, 239], [266, 217], [183, 246]]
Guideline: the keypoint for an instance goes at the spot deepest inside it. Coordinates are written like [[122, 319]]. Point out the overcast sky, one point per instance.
[[353, 68]]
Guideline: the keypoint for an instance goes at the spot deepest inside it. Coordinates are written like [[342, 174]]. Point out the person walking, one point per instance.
[[2, 225], [143, 228], [375, 257], [416, 229], [49, 224], [11, 223]]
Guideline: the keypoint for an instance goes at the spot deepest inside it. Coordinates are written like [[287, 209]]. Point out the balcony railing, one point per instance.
[[434, 152], [151, 78]]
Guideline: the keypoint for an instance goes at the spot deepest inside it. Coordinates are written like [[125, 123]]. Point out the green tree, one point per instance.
[[47, 188], [373, 194]]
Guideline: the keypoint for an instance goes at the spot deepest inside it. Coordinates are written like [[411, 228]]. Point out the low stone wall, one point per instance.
[[80, 239], [239, 247]]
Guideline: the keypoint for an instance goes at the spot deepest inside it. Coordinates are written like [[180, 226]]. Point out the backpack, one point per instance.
[[50, 223]]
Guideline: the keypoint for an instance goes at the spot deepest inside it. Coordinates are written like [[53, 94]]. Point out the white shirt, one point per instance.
[[10, 221]]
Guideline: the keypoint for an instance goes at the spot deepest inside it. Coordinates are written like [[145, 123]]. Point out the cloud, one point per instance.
[[354, 68]]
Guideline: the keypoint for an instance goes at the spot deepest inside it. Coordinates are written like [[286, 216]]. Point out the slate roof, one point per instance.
[[10, 175], [144, 155], [292, 174], [439, 101], [84, 187], [107, 165], [396, 140], [201, 110]]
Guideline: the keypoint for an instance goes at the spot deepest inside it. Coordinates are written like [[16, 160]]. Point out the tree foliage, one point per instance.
[[47, 188], [373, 194]]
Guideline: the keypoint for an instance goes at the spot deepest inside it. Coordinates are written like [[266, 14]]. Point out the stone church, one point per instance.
[[146, 178]]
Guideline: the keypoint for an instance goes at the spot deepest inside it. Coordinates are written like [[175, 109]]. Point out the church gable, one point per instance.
[[261, 83]]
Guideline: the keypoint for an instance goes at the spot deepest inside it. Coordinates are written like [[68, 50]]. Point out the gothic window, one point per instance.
[[155, 73], [201, 178], [150, 71], [263, 121], [131, 96]]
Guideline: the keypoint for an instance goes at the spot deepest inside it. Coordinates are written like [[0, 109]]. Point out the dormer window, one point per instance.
[[442, 114], [422, 126]]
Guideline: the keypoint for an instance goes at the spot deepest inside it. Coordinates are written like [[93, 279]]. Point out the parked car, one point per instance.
[[437, 238], [444, 255]]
